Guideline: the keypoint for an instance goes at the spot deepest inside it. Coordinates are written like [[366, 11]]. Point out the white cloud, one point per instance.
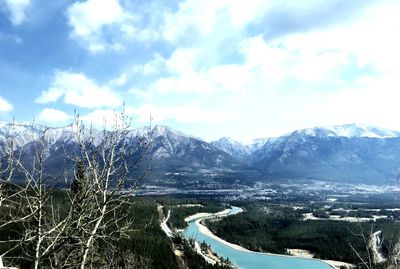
[[139, 93], [231, 77], [88, 19], [103, 25], [51, 95], [153, 67], [181, 60], [212, 18], [188, 82], [53, 115], [159, 114], [315, 56], [79, 90], [370, 39], [264, 64], [182, 114], [5, 106], [370, 101], [185, 72], [284, 58], [101, 118], [184, 59], [120, 80], [90, 16], [17, 10]]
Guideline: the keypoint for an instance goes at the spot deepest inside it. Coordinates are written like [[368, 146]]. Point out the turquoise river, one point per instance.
[[252, 260]]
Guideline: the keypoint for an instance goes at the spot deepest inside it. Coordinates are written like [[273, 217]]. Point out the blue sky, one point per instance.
[[211, 68]]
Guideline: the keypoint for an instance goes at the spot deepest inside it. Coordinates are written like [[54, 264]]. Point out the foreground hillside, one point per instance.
[[145, 247]]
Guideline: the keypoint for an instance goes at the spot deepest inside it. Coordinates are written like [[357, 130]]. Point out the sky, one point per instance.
[[210, 68]]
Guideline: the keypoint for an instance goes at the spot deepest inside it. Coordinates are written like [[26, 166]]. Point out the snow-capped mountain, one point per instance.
[[321, 155], [233, 147], [24, 133], [257, 143], [346, 153], [349, 152], [175, 158], [350, 131], [179, 159], [243, 152]]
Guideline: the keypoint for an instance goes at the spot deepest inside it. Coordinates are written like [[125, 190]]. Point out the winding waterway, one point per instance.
[[248, 259]]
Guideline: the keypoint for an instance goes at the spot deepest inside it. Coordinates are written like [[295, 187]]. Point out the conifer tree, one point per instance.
[[78, 184]]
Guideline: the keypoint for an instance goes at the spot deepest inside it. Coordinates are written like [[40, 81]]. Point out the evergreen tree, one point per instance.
[[79, 182]]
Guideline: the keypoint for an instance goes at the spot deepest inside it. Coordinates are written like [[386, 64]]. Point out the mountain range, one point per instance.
[[350, 153]]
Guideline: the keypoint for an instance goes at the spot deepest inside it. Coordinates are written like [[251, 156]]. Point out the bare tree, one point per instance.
[[9, 192], [71, 233], [101, 193], [43, 227]]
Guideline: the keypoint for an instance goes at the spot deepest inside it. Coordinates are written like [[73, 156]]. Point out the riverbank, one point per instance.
[[302, 253], [203, 215], [204, 229]]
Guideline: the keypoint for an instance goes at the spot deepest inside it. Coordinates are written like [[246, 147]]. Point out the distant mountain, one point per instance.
[[347, 153], [233, 148], [174, 159], [242, 152], [181, 160], [351, 131]]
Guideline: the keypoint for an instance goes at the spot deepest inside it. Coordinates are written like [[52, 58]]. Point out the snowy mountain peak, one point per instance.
[[258, 143], [24, 133], [228, 140], [350, 131], [359, 130], [232, 147], [162, 130]]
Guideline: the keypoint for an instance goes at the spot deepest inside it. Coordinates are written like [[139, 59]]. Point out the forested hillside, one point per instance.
[[146, 246]]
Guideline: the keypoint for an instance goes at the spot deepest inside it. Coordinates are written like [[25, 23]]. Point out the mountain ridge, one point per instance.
[[176, 159], [345, 153]]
